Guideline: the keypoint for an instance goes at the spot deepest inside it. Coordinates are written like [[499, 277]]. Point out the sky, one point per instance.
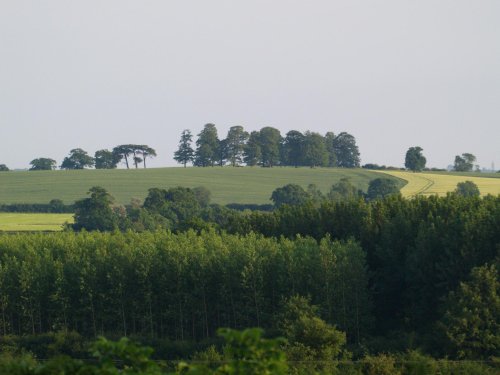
[[94, 74]]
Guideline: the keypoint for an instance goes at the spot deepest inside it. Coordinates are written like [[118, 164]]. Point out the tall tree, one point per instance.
[[95, 212], [77, 159], [346, 150], [105, 159], [124, 152], [147, 152], [292, 148], [330, 147], [207, 146], [235, 144], [42, 164], [252, 153], [471, 322], [4, 168], [414, 159], [464, 163], [314, 153], [270, 140], [185, 153]]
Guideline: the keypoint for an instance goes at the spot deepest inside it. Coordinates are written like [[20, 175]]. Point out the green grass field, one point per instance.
[[15, 222], [228, 185], [442, 183]]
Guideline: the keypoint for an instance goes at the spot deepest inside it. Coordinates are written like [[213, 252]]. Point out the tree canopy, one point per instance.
[[43, 164], [346, 151], [414, 159], [467, 189], [105, 159], [207, 147], [185, 153], [464, 163], [77, 159]]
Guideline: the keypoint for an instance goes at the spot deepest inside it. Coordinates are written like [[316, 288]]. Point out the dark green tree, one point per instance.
[[330, 147], [464, 163], [314, 152], [467, 189], [146, 152], [235, 144], [95, 212], [207, 146], [77, 159], [4, 168], [343, 190], [42, 164], [310, 338], [346, 151], [290, 194], [270, 140], [222, 152], [185, 153], [123, 152], [471, 322], [414, 159], [105, 159], [292, 148], [381, 187], [252, 153]]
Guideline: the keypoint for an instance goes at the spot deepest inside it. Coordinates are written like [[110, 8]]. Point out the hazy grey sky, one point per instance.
[[95, 74]]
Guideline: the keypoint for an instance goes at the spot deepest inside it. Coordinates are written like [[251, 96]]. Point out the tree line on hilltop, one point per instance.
[[267, 148], [102, 159]]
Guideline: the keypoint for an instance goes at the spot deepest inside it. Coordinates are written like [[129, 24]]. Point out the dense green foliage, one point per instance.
[[42, 164], [78, 159], [4, 168], [268, 148], [464, 162], [414, 159], [105, 159], [418, 250], [185, 153], [181, 286], [467, 189], [381, 188]]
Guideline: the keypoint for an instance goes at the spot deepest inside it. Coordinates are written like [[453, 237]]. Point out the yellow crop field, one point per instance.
[[440, 184], [15, 222]]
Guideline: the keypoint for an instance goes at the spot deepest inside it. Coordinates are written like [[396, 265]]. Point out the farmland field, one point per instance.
[[227, 185], [18, 222], [440, 184]]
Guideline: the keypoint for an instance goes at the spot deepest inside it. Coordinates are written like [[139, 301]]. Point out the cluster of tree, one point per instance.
[[415, 161], [4, 168], [464, 163], [418, 250], [432, 285], [293, 194], [103, 159], [267, 148], [178, 286]]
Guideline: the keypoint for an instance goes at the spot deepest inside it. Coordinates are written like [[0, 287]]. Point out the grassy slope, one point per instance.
[[441, 183], [228, 185], [16, 222]]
